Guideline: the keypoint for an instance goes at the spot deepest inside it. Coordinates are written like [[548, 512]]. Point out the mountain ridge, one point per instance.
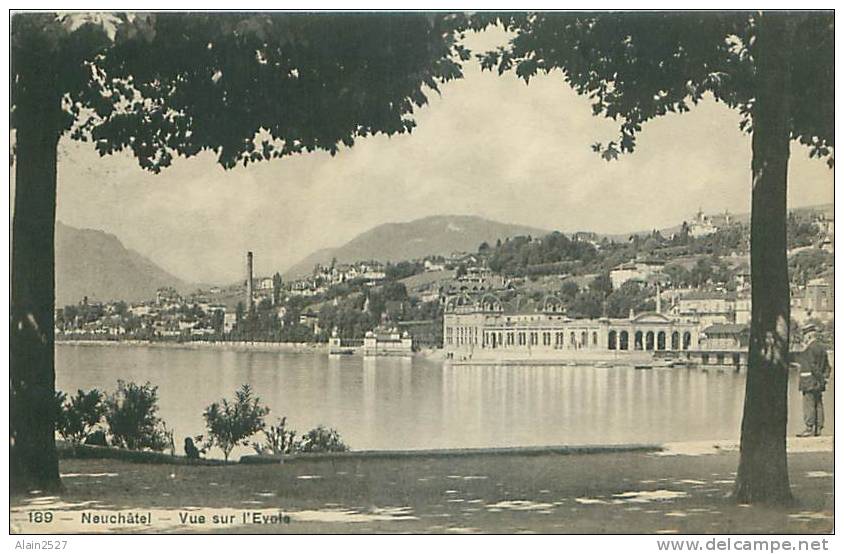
[[95, 264], [397, 241]]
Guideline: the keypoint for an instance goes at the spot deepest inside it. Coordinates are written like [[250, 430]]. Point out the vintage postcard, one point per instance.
[[422, 272]]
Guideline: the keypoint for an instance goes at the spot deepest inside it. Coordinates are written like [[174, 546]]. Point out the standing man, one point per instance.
[[814, 373]]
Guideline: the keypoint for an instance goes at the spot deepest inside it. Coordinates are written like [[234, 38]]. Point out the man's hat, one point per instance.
[[809, 328]]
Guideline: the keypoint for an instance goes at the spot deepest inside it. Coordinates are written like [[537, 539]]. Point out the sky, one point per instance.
[[489, 146]]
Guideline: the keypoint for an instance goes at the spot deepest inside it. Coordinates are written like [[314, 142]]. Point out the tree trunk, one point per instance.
[[33, 459], [763, 468]]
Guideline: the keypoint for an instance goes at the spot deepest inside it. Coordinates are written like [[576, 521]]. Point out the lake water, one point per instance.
[[388, 403]]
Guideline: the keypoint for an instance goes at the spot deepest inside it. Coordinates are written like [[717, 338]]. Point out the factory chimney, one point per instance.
[[249, 282]]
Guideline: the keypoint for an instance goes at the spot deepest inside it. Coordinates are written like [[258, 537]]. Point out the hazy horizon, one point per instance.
[[347, 239], [489, 146]]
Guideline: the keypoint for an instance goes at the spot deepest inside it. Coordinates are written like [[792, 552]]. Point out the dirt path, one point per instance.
[[593, 493]]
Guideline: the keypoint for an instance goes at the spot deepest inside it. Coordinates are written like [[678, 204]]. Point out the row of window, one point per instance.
[[501, 339], [461, 335], [648, 341], [641, 340]]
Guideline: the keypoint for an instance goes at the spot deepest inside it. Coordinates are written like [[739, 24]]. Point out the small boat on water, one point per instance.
[[342, 352], [643, 366], [604, 364]]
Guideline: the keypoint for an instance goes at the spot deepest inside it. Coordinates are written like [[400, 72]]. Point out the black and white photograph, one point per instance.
[[425, 272]]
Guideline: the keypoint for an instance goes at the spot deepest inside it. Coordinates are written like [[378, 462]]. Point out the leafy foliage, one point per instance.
[[401, 270], [552, 252], [231, 423], [629, 296], [131, 413], [248, 87], [278, 440], [809, 264], [322, 439], [77, 417], [801, 231], [636, 67]]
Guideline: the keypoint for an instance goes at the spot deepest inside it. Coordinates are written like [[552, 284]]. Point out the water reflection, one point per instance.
[[398, 403]]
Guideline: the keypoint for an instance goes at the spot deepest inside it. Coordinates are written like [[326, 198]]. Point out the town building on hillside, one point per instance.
[[433, 266], [742, 308], [430, 294], [814, 301], [722, 220], [587, 236], [373, 275], [707, 307], [826, 226], [484, 329], [139, 310], [636, 270], [310, 319], [167, 296], [457, 258], [703, 224], [742, 274], [229, 321], [474, 283], [302, 288]]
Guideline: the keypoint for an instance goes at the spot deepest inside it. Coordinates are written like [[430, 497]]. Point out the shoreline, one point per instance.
[[244, 346], [431, 354]]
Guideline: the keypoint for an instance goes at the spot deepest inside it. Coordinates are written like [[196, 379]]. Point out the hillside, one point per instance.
[[96, 264], [743, 218], [439, 235]]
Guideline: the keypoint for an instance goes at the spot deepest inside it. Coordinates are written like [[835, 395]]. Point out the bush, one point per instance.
[[230, 424], [322, 439], [76, 418], [278, 440], [131, 413]]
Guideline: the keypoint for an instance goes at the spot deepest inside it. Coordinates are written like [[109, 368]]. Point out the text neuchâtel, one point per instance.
[[117, 518]]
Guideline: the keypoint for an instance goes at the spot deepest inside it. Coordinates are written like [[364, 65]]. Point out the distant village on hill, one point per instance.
[[698, 274]]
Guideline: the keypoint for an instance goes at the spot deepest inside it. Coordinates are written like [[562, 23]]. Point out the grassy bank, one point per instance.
[[618, 492]]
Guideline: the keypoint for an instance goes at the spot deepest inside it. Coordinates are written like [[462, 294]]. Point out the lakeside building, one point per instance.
[[382, 341], [723, 346], [387, 342], [484, 329]]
